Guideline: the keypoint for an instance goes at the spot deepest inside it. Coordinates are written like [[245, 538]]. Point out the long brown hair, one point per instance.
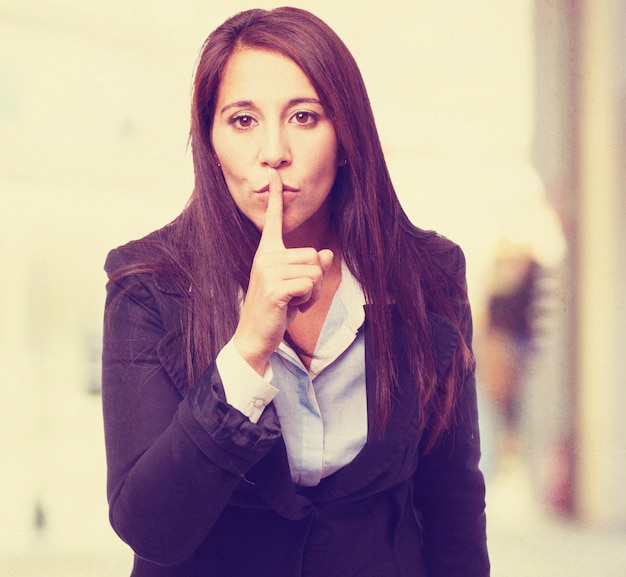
[[212, 245]]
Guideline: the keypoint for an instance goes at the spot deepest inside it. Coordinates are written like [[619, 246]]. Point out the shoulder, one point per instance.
[[150, 248], [156, 258], [438, 250], [146, 283]]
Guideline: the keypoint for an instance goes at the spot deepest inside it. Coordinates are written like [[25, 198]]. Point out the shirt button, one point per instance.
[[259, 403]]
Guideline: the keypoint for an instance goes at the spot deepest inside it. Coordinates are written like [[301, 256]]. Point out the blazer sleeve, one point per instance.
[[173, 457], [449, 487]]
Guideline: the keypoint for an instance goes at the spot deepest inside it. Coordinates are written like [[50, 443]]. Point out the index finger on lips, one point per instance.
[[273, 227]]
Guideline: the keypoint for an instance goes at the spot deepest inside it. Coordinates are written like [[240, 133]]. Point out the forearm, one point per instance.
[[168, 500], [173, 457]]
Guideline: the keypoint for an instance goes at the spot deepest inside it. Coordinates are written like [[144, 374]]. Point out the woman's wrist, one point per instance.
[[257, 360]]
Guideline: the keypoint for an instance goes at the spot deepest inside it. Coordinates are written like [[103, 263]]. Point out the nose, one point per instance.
[[274, 149]]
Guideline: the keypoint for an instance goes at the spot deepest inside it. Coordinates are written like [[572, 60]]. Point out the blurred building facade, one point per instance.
[[505, 121], [599, 267]]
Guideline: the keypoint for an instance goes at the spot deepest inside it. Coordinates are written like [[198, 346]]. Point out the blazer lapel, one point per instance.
[[388, 456], [391, 457]]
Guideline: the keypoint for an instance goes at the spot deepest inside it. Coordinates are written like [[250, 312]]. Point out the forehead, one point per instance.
[[253, 74]]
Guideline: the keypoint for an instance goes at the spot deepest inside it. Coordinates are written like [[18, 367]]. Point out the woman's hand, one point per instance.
[[283, 281]]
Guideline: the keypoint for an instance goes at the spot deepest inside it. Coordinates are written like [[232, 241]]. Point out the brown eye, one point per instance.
[[242, 121], [305, 118]]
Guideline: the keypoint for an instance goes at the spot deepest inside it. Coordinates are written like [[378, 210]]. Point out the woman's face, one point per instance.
[[269, 115]]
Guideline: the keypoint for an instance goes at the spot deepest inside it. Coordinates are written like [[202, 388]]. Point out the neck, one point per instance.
[[306, 327], [317, 232]]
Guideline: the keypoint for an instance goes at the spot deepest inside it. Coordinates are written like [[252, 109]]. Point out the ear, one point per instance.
[[342, 157], [216, 161]]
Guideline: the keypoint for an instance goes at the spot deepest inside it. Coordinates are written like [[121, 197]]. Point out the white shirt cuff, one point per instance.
[[245, 389]]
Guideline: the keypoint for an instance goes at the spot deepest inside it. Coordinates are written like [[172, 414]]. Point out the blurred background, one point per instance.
[[504, 125]]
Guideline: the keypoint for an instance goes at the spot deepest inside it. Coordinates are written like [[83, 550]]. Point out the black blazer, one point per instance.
[[196, 489]]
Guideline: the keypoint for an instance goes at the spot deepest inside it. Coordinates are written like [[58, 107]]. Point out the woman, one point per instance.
[[288, 382]]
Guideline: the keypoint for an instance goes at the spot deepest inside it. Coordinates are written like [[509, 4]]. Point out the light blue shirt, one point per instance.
[[322, 410]]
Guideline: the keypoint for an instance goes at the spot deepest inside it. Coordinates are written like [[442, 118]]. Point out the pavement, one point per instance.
[[527, 540]]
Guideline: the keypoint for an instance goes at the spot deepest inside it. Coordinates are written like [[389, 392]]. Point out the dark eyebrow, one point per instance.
[[295, 101], [250, 104], [239, 104]]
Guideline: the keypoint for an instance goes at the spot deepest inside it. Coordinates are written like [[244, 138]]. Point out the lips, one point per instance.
[[266, 188]]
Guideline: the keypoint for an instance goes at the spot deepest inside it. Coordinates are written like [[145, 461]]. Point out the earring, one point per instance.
[[219, 165], [345, 162]]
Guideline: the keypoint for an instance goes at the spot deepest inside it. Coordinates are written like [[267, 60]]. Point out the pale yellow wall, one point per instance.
[[602, 215]]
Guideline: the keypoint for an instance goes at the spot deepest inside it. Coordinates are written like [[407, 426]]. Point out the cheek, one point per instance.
[[234, 188], [327, 167], [230, 165], [224, 149], [234, 168], [326, 159], [229, 174]]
